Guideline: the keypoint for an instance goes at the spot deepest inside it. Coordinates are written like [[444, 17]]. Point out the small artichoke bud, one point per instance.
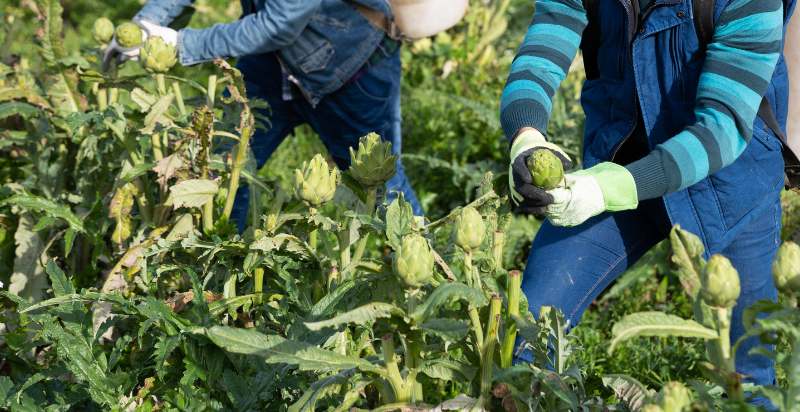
[[103, 30], [157, 56], [720, 283], [546, 168], [316, 182], [129, 35], [786, 268], [470, 229], [675, 396], [413, 261], [373, 164]]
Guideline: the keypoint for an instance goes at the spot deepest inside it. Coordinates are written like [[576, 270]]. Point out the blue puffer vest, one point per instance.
[[653, 69], [333, 47]]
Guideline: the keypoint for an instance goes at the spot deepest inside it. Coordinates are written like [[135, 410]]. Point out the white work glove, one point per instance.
[[607, 187], [122, 54], [526, 198]]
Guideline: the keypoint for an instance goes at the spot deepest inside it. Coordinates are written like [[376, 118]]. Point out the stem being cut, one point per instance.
[[514, 292]]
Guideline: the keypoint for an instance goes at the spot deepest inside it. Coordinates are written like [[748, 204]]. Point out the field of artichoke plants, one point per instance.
[[126, 287]]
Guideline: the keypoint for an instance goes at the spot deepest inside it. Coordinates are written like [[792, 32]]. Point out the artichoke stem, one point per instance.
[[360, 248], [229, 289], [161, 84], [113, 95], [144, 207], [401, 392], [241, 157], [155, 140], [487, 361], [176, 90], [514, 291], [313, 239], [372, 200], [208, 216], [211, 91], [723, 321], [498, 245], [477, 329], [102, 99], [258, 285], [344, 248]]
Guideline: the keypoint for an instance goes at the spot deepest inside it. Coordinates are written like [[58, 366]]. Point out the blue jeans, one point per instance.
[[568, 268], [370, 102]]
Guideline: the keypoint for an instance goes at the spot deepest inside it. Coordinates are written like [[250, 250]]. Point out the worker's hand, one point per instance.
[[588, 193], [525, 197], [122, 54]]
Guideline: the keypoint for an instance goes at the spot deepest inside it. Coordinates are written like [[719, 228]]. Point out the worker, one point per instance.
[[673, 136], [331, 64]]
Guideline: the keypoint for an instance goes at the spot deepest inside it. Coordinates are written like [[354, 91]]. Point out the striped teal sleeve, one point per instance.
[[541, 65], [739, 65]]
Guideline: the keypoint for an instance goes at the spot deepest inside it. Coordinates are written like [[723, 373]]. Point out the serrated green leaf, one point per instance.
[[319, 389], [399, 220], [364, 315], [58, 280], [657, 324], [448, 370], [451, 330], [21, 109], [39, 204], [157, 114], [631, 392], [275, 350], [445, 293], [193, 193]]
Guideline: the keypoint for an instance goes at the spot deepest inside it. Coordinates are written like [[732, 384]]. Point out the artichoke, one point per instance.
[[413, 261], [651, 408], [157, 56], [373, 164], [129, 35], [675, 396], [470, 229], [546, 168], [316, 182], [103, 30], [720, 283], [786, 268]]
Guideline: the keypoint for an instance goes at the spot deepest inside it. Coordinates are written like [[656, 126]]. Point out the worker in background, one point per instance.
[[672, 137], [331, 64]]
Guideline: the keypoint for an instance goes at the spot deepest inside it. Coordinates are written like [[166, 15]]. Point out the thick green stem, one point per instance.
[[313, 239], [113, 95], [176, 90], [161, 84], [208, 216], [344, 247], [102, 99], [477, 329], [514, 291], [158, 152], [145, 211], [241, 158], [211, 91], [468, 269], [487, 361], [498, 244], [229, 289], [371, 201], [401, 392], [258, 285]]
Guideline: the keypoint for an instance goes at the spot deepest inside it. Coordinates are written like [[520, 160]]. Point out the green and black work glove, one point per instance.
[[525, 197]]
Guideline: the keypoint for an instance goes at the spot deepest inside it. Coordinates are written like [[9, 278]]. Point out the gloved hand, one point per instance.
[[122, 54], [525, 197], [588, 193]]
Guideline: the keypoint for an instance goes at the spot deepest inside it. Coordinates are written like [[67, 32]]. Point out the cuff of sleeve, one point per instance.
[[189, 48], [521, 115], [650, 177]]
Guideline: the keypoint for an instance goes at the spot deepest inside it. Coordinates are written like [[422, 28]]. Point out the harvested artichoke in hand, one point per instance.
[[103, 30], [546, 168], [157, 56], [129, 35]]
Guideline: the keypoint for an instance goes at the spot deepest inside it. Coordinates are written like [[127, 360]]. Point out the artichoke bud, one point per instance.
[[470, 229], [157, 56], [546, 168], [675, 396], [786, 268], [129, 35], [413, 261], [373, 163], [271, 222], [316, 182], [720, 283], [103, 30]]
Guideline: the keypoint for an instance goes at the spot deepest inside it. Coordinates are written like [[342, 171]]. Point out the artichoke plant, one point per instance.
[[675, 396], [720, 283], [373, 163], [413, 261], [786, 268], [470, 229], [546, 168], [158, 56], [103, 30], [129, 35], [316, 182]]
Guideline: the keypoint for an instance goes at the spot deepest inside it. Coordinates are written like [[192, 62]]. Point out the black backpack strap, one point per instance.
[[590, 41], [704, 20]]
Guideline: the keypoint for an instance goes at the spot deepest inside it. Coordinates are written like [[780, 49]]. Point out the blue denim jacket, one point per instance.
[[321, 43]]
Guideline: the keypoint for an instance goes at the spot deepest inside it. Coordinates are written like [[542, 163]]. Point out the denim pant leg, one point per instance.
[[568, 268], [752, 254], [263, 79], [370, 102]]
